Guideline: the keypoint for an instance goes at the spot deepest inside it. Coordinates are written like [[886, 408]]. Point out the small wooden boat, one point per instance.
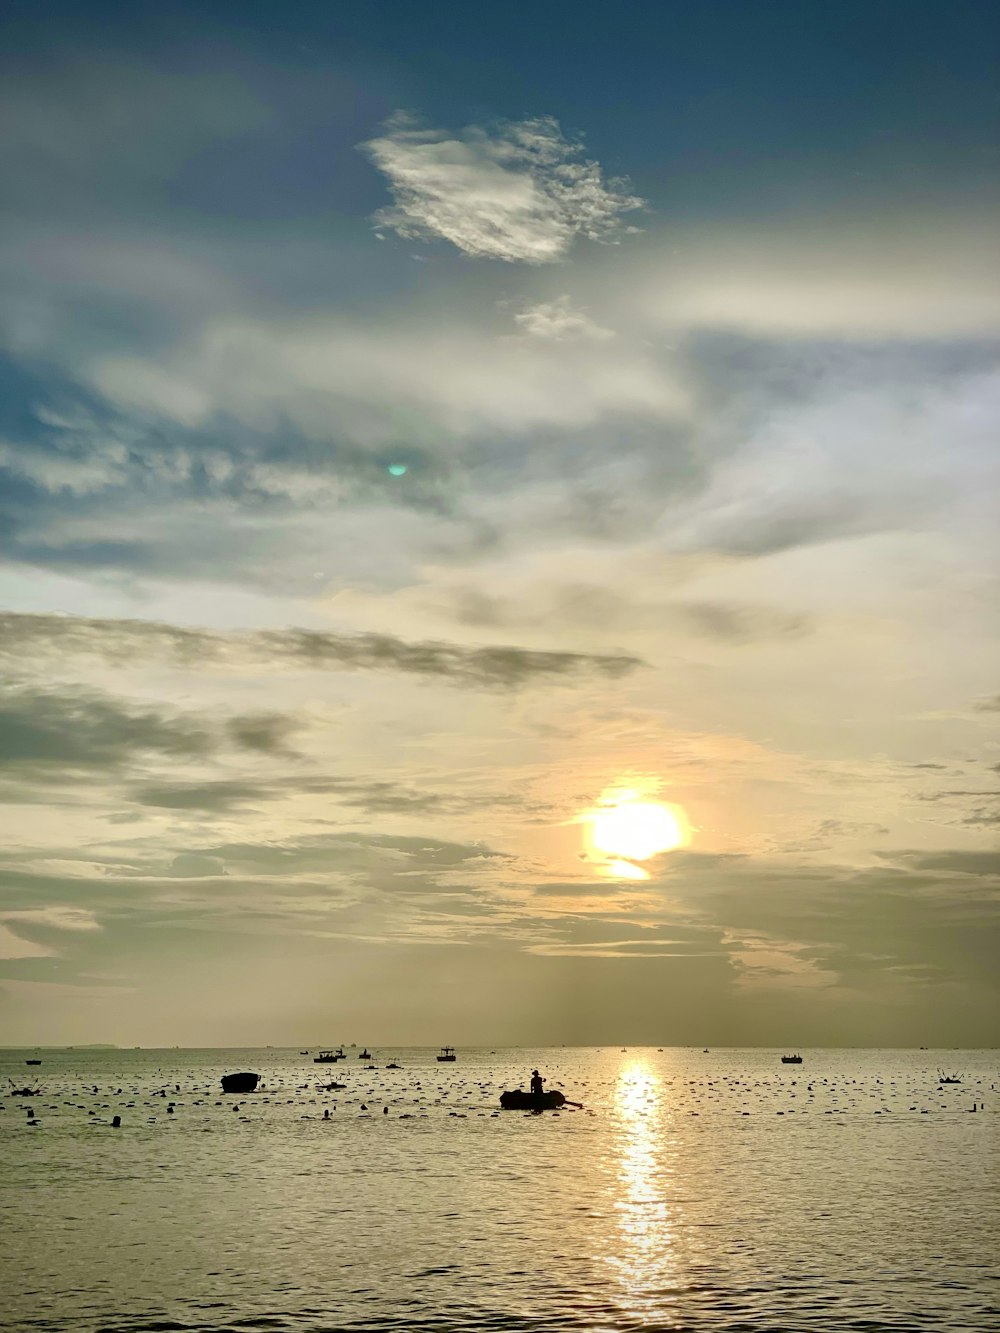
[[32, 1062], [519, 1100], [240, 1082], [392, 1065], [329, 1057], [365, 1054], [949, 1078], [791, 1059], [447, 1055]]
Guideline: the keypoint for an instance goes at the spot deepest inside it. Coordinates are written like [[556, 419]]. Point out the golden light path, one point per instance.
[[644, 1262], [628, 829]]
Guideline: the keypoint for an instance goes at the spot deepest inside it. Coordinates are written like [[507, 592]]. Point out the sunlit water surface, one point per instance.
[[696, 1190]]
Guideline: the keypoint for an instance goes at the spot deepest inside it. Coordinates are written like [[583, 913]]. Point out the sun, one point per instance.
[[637, 830]]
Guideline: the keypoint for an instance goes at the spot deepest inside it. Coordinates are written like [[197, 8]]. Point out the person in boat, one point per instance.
[[537, 1083]]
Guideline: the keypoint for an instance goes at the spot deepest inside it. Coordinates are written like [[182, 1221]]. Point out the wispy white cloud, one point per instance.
[[853, 278], [520, 192], [561, 320]]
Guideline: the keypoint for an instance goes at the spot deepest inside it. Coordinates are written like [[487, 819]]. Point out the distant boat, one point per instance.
[[791, 1059], [303, 1052], [365, 1054], [392, 1065], [32, 1062], [519, 1100], [949, 1078], [328, 1057], [447, 1055]]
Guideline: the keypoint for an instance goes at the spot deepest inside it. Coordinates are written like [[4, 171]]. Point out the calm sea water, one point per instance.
[[696, 1190]]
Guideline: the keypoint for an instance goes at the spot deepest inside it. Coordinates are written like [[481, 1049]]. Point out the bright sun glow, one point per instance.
[[636, 830]]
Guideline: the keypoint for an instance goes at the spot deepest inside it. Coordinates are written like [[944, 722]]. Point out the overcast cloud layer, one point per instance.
[[394, 463]]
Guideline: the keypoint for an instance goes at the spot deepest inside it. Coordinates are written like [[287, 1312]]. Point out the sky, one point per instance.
[[499, 523]]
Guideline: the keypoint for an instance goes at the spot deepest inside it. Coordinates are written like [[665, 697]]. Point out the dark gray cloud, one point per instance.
[[592, 605], [576, 889], [980, 863], [66, 731], [216, 796], [266, 733], [743, 624], [937, 911], [500, 666], [372, 796], [51, 737]]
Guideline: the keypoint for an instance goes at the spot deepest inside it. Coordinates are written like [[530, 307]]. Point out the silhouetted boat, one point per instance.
[[447, 1055], [328, 1057], [32, 1062], [240, 1082], [949, 1078], [519, 1100], [365, 1054], [791, 1059], [392, 1065]]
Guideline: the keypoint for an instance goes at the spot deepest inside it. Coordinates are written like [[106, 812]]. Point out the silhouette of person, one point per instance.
[[537, 1083]]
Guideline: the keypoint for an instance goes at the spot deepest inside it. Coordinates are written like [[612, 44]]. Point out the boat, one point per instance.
[[949, 1078], [32, 1062], [329, 1057], [332, 1086], [791, 1059], [519, 1100], [392, 1065], [365, 1054], [447, 1055], [240, 1082]]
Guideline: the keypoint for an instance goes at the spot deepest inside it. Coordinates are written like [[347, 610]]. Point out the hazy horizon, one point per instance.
[[499, 525]]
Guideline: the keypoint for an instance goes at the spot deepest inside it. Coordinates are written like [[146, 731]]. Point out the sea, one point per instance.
[[704, 1190]]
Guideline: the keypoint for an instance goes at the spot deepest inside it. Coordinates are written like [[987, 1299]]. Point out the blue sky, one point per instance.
[[419, 427]]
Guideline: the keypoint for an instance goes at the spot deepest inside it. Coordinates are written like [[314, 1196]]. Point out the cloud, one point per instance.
[[937, 912], [496, 667], [267, 733], [519, 192], [859, 452], [56, 917], [559, 320], [13, 946], [13, 943], [978, 863], [577, 889], [66, 731], [217, 796], [859, 277]]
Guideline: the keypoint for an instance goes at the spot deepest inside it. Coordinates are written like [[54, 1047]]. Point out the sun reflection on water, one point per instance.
[[645, 1261]]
